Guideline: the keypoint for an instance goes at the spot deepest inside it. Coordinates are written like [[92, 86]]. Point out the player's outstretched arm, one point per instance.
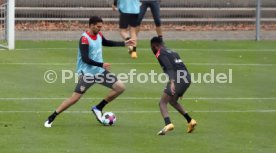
[[111, 43]]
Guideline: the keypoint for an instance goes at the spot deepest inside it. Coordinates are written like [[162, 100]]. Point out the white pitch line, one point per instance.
[[194, 64], [230, 64], [49, 64], [143, 112], [176, 49], [140, 98]]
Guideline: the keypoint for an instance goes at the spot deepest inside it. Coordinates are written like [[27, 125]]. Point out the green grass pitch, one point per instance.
[[232, 118]]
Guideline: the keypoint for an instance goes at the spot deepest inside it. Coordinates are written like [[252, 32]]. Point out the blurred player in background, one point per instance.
[[129, 12], [92, 69], [172, 65], [154, 6]]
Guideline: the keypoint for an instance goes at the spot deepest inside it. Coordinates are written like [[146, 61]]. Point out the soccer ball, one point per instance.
[[108, 118]]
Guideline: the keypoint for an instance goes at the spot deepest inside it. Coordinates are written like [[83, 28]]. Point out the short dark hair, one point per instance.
[[156, 40], [95, 19]]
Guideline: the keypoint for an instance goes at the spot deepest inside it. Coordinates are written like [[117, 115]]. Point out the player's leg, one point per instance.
[[117, 88], [180, 90], [125, 34], [123, 25], [155, 10], [165, 114], [163, 105], [133, 22], [80, 89], [109, 80], [143, 10], [164, 108], [68, 102], [133, 49], [191, 122], [62, 107], [174, 103]]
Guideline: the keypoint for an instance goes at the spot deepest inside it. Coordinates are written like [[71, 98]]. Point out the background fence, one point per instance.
[[200, 19]]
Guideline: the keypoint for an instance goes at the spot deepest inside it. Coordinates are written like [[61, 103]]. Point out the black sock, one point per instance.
[[167, 120], [188, 118], [134, 49], [101, 105], [52, 117]]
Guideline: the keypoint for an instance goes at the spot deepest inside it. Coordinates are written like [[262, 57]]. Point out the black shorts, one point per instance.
[[128, 20], [106, 79], [180, 89]]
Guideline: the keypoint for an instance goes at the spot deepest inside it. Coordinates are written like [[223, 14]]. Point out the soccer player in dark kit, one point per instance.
[[173, 66]]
